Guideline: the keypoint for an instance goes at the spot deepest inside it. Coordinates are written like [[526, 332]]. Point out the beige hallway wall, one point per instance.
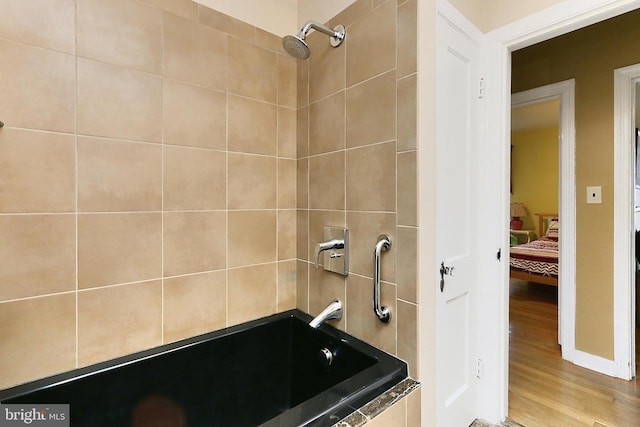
[[590, 56]]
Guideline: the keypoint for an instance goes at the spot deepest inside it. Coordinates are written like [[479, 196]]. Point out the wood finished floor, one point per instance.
[[545, 390]]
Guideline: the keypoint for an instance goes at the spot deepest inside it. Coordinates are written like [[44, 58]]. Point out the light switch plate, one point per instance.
[[594, 194]]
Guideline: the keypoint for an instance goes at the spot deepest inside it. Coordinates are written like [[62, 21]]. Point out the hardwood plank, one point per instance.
[[545, 390]]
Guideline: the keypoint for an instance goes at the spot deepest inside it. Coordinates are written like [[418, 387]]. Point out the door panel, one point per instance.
[[457, 97]]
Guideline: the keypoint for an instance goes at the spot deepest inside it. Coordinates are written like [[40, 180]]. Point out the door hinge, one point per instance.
[[499, 254], [482, 89]]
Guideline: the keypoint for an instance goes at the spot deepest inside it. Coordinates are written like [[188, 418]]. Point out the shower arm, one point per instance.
[[319, 27]]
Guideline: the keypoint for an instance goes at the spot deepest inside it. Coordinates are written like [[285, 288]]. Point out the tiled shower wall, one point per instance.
[[357, 168], [147, 178]]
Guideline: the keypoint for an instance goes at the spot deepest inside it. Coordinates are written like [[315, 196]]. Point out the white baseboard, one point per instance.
[[595, 363]]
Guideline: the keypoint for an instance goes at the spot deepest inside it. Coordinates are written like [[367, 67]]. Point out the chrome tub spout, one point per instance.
[[333, 311]]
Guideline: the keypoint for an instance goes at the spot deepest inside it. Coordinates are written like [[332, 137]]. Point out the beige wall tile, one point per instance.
[[408, 188], [252, 237], [407, 113], [40, 22], [287, 80], [194, 116], [194, 305], [371, 111], [302, 234], [302, 90], [408, 335], [106, 27], [194, 179], [37, 171], [287, 276], [364, 229], [395, 416], [324, 288], [194, 242], [118, 103], [326, 181], [302, 132], [302, 286], [38, 338], [287, 177], [184, 8], [287, 145], [118, 320], [252, 182], [118, 176], [326, 66], [327, 124], [407, 38], [118, 248], [245, 60], [252, 126], [225, 23], [302, 184], [371, 44], [268, 40], [38, 254], [371, 178], [286, 234], [361, 322], [407, 249], [38, 88], [252, 292], [413, 408], [194, 53]]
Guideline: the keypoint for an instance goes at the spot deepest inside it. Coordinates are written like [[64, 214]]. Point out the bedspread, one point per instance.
[[539, 256]]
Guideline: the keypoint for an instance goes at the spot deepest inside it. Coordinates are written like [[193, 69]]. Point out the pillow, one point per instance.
[[553, 228]]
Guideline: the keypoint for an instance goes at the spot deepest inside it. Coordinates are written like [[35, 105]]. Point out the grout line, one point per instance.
[[226, 206], [162, 154], [77, 217]]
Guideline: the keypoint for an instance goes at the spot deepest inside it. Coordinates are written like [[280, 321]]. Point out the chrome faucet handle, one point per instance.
[[327, 245]]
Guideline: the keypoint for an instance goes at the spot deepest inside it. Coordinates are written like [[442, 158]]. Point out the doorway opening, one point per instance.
[[600, 350]]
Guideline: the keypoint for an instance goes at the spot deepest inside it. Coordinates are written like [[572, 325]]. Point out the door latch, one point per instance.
[[445, 271]]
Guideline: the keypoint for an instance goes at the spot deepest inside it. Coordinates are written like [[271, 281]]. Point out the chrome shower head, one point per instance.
[[297, 47]]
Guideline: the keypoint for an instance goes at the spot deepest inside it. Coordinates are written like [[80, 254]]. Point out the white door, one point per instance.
[[457, 86]]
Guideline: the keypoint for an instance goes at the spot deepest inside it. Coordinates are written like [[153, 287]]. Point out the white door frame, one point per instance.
[[565, 93], [624, 264], [559, 19]]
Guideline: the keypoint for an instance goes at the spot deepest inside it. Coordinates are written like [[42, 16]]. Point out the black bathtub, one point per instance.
[[267, 372]]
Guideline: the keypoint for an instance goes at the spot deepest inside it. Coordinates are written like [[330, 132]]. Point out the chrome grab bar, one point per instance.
[[383, 313]]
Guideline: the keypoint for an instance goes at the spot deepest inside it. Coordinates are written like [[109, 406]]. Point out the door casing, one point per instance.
[[498, 44], [565, 92]]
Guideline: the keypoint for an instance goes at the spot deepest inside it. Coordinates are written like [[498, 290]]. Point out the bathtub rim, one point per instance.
[[397, 369]]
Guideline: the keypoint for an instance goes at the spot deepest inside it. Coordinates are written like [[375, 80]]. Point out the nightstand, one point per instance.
[[530, 234]]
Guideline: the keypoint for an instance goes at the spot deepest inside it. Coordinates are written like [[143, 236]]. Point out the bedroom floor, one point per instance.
[[546, 391]]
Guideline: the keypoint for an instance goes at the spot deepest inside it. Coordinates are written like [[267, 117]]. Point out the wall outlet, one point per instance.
[[594, 194]]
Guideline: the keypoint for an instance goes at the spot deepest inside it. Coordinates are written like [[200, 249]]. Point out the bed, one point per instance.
[[537, 261]]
